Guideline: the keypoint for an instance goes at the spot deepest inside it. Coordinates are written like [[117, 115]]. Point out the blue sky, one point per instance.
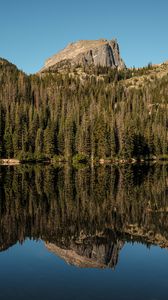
[[33, 30]]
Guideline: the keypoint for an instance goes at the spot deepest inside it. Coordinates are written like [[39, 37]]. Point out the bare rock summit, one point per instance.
[[101, 52]]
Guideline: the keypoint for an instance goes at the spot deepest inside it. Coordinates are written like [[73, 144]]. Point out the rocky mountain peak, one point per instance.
[[100, 52]]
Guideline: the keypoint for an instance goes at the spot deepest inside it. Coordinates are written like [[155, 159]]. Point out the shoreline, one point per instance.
[[102, 161]]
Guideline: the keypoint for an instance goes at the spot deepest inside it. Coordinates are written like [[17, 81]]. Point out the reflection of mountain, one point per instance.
[[92, 252], [84, 216]]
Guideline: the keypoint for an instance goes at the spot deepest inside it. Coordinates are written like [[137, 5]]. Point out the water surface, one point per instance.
[[84, 234]]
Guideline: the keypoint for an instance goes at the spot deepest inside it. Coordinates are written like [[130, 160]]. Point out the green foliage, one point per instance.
[[58, 158], [65, 115], [25, 156], [80, 158], [49, 142]]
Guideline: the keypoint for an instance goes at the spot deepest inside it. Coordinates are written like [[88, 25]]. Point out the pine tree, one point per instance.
[[39, 143], [49, 142]]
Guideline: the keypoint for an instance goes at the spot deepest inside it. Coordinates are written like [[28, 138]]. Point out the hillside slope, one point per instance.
[[84, 112]]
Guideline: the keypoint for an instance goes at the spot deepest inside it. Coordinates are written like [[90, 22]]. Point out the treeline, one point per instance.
[[95, 116]]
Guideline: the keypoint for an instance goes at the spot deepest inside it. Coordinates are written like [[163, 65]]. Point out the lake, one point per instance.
[[86, 233]]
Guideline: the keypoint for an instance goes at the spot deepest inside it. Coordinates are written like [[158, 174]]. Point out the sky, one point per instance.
[[33, 30]]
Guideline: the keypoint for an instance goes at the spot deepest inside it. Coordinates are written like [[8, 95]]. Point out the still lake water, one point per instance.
[[97, 233]]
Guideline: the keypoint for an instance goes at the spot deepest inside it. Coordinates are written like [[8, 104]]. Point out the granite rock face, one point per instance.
[[101, 52]]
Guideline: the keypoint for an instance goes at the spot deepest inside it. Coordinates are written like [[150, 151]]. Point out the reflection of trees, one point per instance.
[[59, 204]]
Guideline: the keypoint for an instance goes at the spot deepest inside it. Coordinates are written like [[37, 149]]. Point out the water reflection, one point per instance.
[[84, 216]]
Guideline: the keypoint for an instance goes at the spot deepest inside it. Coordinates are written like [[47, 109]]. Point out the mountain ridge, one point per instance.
[[102, 52]]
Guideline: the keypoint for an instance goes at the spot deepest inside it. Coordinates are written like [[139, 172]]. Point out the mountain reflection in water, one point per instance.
[[84, 216]]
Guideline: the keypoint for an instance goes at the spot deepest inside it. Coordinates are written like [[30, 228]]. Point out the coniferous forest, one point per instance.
[[101, 114]]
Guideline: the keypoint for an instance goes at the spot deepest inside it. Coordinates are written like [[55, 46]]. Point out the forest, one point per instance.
[[96, 115]]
